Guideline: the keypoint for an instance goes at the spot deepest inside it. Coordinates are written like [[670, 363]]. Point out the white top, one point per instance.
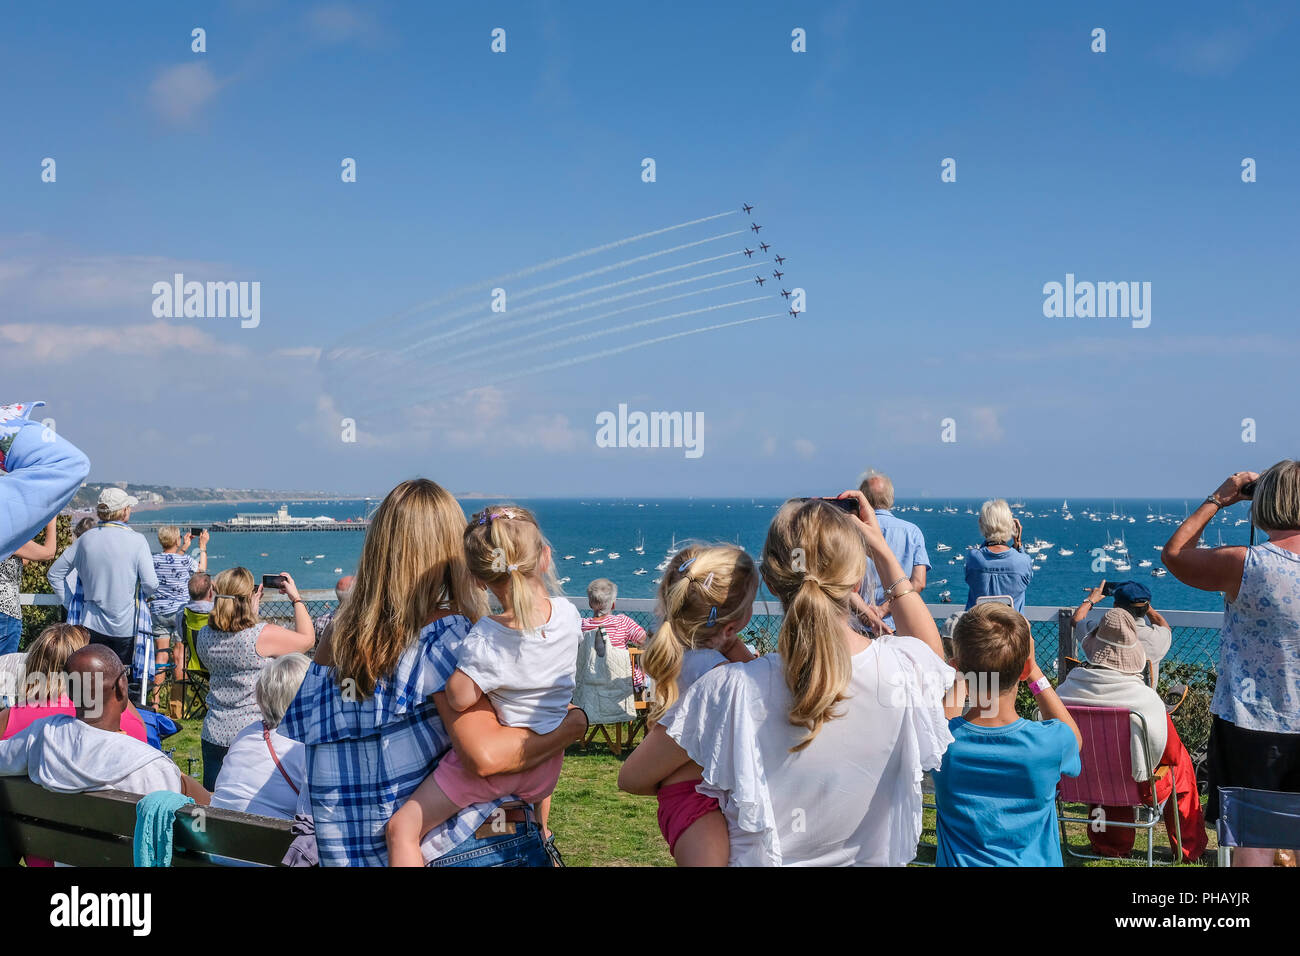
[[1155, 640], [853, 795], [1107, 687], [67, 755], [695, 664], [249, 780], [528, 675]]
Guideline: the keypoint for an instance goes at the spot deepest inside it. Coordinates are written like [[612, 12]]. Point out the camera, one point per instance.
[[1248, 489]]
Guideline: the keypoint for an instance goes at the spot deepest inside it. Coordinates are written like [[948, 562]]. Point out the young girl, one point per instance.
[[524, 659], [705, 600]]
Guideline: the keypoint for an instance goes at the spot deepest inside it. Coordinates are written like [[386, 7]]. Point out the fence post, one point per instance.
[[1064, 639]]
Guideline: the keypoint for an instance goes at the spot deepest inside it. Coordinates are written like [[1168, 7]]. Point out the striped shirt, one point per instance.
[[366, 757], [174, 571]]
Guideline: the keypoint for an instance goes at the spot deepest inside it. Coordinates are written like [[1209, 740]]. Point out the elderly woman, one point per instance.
[[114, 571], [995, 568], [235, 647], [1255, 734], [1113, 678], [815, 753], [371, 713], [264, 771], [620, 629]]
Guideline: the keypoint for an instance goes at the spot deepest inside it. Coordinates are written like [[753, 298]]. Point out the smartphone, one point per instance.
[[272, 582], [847, 505], [996, 599], [1248, 489], [1109, 587], [195, 532]]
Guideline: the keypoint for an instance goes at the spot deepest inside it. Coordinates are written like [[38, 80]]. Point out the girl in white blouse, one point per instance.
[[815, 754]]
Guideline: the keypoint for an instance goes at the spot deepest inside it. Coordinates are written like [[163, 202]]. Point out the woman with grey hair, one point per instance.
[[620, 629], [997, 568], [1255, 734], [264, 771]]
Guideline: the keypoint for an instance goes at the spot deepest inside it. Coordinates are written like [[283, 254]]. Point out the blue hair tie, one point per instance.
[[685, 564], [713, 617]]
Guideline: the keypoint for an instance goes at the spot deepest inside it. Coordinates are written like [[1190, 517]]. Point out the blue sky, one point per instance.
[[924, 298]]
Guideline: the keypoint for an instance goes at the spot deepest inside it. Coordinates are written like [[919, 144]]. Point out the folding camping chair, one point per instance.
[[1258, 819], [194, 683], [1107, 777]]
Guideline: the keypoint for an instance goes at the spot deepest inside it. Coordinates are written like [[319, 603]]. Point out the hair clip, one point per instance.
[[708, 581], [484, 517], [713, 617], [685, 564], [512, 567]]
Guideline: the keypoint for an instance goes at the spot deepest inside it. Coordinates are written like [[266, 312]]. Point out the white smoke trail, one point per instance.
[[531, 270]]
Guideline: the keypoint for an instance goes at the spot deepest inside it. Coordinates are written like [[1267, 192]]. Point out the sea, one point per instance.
[[599, 537]]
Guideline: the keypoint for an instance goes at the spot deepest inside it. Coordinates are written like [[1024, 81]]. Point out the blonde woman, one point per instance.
[[997, 567], [815, 753], [371, 711], [234, 647], [706, 598]]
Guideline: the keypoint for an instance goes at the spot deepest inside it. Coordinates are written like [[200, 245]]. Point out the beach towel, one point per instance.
[[302, 851], [155, 816]]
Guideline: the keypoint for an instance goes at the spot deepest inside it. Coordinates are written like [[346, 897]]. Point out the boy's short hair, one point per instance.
[[200, 585], [992, 639], [601, 594]]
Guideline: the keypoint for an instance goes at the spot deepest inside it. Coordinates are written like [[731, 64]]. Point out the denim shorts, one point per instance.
[[520, 845], [11, 631]]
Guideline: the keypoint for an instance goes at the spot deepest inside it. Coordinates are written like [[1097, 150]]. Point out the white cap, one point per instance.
[[115, 499]]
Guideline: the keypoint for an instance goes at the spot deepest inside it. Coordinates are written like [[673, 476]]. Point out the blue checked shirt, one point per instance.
[[366, 757]]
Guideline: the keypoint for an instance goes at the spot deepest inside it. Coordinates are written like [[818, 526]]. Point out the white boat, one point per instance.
[[600, 560], [1065, 552], [320, 555], [565, 580], [338, 570], [1144, 563], [585, 563], [639, 571], [1123, 567], [595, 550], [942, 547], [1158, 572], [568, 557], [613, 555], [945, 597]]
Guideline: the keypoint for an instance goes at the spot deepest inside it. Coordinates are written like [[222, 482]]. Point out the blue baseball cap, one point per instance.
[[1132, 592]]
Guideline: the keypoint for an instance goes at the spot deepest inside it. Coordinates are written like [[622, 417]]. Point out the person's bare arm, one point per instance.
[[203, 551], [192, 788], [1208, 569], [486, 747], [462, 693], [655, 760], [1156, 618], [1091, 601], [1049, 704], [45, 551], [918, 577], [276, 641]]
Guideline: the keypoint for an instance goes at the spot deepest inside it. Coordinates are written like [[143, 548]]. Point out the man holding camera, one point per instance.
[[1153, 631]]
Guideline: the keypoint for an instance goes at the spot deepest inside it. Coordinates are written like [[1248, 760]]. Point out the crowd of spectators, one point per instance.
[[418, 724]]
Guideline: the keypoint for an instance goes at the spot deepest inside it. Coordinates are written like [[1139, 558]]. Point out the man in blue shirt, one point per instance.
[[904, 538]]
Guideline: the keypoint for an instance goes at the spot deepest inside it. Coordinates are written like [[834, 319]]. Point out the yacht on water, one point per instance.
[[942, 547], [1158, 572], [1065, 552]]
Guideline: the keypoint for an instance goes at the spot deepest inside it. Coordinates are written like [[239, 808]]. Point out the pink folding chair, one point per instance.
[[1107, 776]]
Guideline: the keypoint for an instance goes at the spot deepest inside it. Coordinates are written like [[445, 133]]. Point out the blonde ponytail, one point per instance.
[[705, 588], [504, 547], [813, 560]]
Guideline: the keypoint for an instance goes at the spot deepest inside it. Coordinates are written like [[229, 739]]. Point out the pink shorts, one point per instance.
[[464, 788], [680, 805]]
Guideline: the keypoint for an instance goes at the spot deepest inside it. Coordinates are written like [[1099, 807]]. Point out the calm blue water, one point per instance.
[[618, 525]]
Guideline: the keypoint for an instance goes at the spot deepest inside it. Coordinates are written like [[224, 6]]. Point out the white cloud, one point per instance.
[[50, 281], [804, 448], [46, 342], [179, 92], [342, 23]]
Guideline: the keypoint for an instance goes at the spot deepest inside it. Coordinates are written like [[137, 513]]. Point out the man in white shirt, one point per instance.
[[90, 751]]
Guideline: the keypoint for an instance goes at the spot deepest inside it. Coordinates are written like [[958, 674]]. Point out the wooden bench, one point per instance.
[[96, 829]]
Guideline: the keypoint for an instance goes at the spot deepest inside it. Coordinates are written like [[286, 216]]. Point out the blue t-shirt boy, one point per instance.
[[996, 793]]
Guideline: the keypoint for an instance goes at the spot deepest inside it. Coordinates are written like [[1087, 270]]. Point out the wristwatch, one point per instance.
[[1213, 500]]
